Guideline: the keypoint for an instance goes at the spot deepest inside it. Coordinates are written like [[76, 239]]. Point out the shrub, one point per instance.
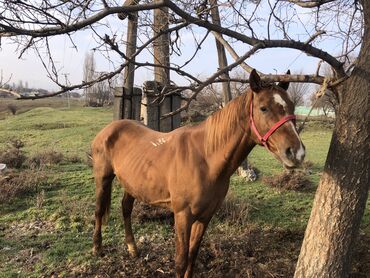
[[12, 108], [13, 157], [15, 184], [16, 143], [45, 158], [74, 159]]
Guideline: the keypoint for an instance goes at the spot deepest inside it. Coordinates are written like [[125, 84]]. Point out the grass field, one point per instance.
[[21, 106], [47, 230]]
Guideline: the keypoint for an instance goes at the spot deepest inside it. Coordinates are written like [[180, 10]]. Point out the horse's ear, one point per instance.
[[284, 85], [255, 81]]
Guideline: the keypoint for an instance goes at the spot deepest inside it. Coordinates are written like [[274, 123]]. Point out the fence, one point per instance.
[[147, 106]]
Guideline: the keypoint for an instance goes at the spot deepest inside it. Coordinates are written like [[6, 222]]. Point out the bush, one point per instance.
[[12, 108], [13, 157], [15, 184], [74, 159], [45, 158]]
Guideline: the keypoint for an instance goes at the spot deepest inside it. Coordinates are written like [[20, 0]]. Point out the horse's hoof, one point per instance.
[[97, 251], [133, 254], [132, 250]]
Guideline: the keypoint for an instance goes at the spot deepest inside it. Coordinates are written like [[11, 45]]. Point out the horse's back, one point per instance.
[[118, 130]]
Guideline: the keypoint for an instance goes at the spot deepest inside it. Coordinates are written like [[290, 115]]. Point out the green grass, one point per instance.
[[24, 105], [64, 130], [67, 207], [287, 209]]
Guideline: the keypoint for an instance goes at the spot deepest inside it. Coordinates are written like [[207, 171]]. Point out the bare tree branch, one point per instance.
[[307, 48], [9, 30], [309, 3], [232, 52]]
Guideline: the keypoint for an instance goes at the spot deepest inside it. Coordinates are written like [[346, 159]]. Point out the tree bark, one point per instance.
[[162, 57], [221, 53], [129, 73], [161, 46], [343, 189]]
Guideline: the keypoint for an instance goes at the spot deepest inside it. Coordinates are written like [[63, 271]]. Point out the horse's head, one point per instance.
[[273, 122]]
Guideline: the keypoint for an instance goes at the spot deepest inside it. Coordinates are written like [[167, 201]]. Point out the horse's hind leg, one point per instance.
[[127, 205], [103, 197]]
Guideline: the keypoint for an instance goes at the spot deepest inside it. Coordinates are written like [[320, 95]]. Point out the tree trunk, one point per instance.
[[221, 53], [343, 190], [129, 74], [162, 57]]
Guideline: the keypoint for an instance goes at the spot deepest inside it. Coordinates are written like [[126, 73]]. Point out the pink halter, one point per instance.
[[264, 138]]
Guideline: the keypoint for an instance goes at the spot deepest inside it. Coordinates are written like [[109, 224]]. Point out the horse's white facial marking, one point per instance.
[[278, 99], [158, 142], [300, 153]]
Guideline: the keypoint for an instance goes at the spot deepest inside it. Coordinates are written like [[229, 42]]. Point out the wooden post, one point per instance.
[[129, 73], [222, 60], [162, 57], [136, 104], [126, 98], [118, 103], [150, 108], [176, 104], [127, 104]]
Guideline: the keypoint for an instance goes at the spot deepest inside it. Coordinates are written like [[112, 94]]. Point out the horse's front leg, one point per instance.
[[183, 224], [197, 231]]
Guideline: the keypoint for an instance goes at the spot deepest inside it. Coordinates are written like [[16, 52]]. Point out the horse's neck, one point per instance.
[[227, 140]]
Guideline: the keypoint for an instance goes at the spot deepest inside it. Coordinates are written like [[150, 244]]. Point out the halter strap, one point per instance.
[[264, 138]]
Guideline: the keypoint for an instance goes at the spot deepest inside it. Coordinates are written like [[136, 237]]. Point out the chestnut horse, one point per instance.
[[188, 170]]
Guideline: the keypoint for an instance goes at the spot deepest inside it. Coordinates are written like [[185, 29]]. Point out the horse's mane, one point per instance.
[[221, 125]]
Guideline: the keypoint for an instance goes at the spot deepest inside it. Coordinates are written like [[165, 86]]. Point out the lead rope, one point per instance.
[[319, 94]]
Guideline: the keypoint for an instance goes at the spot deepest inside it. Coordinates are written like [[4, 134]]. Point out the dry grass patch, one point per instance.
[[45, 158], [233, 211], [289, 180], [145, 213], [14, 184]]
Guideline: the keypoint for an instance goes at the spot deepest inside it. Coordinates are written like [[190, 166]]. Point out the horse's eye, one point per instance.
[[263, 109]]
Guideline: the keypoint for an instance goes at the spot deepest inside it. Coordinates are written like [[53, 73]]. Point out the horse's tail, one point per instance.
[[104, 175], [103, 196], [107, 205]]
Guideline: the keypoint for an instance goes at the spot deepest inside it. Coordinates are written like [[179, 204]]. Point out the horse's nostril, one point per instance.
[[289, 153]]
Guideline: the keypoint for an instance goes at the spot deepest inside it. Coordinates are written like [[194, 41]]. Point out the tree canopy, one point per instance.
[[253, 26]]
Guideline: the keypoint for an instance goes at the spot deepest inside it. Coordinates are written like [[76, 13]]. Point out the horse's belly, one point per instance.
[[146, 186], [143, 167]]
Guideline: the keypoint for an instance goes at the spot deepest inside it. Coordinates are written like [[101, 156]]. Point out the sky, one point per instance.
[[70, 60], [30, 69]]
